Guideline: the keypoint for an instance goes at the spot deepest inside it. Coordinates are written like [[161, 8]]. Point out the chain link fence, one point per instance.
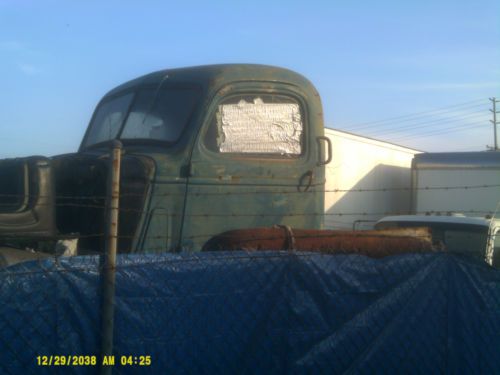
[[254, 312]]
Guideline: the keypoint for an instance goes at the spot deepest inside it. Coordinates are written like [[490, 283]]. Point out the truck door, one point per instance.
[[255, 163]]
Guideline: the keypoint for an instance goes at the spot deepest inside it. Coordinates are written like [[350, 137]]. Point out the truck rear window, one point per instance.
[[147, 114], [257, 124]]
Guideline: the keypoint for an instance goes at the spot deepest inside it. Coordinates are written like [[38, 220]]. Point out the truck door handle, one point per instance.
[[328, 147], [305, 180]]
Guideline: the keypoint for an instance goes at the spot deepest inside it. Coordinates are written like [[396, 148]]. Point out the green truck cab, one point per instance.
[[205, 150]]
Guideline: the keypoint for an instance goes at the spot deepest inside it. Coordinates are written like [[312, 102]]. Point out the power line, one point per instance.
[[450, 129], [426, 124], [415, 115], [412, 117]]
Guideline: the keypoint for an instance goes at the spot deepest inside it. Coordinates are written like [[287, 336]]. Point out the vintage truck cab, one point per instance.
[[205, 150]]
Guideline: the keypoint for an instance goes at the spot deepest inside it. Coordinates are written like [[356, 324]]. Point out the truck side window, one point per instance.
[[257, 124]]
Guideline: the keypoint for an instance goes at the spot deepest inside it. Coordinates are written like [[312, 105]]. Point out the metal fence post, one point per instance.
[[109, 264]]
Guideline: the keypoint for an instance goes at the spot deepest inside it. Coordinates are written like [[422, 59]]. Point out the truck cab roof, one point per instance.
[[215, 76]]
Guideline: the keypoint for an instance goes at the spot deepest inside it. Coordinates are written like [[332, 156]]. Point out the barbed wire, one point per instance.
[[336, 190], [56, 202], [322, 234], [277, 213], [56, 237], [105, 206]]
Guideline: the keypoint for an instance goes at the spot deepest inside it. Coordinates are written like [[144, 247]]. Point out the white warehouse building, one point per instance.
[[360, 165]]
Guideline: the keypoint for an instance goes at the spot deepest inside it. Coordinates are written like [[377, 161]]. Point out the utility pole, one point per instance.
[[494, 122]]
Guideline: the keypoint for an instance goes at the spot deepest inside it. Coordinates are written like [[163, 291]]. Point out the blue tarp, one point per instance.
[[263, 312]]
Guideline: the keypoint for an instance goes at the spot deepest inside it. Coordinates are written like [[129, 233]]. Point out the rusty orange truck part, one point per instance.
[[375, 244]]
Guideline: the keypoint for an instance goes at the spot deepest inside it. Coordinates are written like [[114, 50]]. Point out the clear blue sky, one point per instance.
[[370, 60]]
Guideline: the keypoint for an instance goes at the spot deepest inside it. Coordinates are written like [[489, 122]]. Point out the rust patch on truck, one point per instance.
[[376, 243]]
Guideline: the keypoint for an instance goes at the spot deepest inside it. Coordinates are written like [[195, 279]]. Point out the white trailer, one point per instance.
[[360, 169], [463, 182]]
